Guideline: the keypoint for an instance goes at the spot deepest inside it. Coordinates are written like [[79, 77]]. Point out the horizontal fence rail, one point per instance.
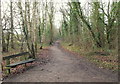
[[15, 55]]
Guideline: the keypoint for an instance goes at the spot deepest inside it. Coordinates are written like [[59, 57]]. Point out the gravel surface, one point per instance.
[[64, 67]]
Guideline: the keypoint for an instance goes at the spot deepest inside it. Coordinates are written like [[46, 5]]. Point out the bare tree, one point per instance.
[[12, 33], [0, 43], [51, 16]]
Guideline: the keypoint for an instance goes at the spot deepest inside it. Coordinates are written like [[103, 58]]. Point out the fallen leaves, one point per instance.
[[101, 58], [42, 59]]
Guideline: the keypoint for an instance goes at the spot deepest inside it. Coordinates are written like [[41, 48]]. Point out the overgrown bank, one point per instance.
[[103, 59]]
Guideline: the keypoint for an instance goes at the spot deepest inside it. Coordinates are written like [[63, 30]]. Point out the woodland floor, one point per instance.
[[62, 66]]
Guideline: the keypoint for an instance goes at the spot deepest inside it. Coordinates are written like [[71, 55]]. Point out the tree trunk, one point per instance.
[[12, 33], [0, 44]]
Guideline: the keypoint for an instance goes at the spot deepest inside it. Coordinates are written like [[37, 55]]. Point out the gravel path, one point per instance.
[[64, 67]]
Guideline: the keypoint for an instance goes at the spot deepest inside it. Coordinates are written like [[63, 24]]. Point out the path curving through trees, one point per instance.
[[64, 67]]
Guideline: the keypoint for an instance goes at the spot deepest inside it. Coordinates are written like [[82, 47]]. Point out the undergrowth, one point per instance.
[[103, 59]]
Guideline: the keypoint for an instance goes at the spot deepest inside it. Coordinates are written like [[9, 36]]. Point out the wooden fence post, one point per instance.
[[7, 63]]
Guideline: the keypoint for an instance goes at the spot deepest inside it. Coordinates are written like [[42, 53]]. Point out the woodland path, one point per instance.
[[64, 67]]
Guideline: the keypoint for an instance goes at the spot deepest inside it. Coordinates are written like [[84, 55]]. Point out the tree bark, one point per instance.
[[12, 33], [0, 44]]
